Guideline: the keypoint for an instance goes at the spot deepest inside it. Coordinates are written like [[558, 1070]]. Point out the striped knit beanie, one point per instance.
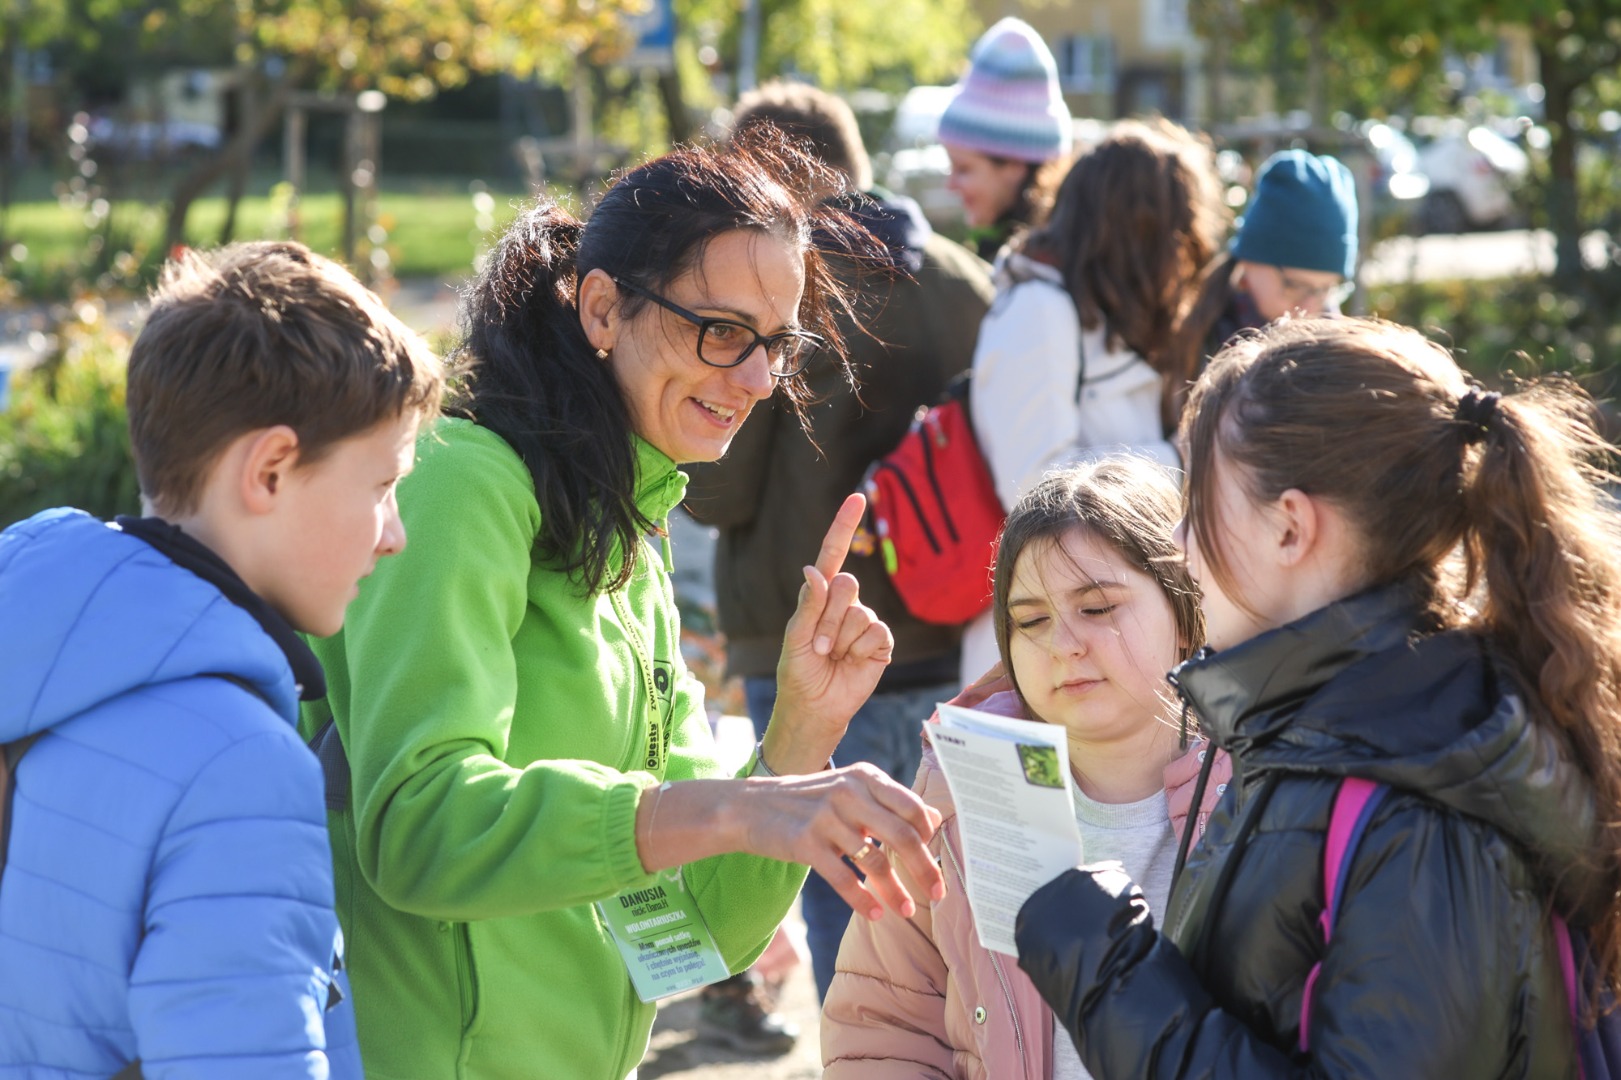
[[1009, 104]]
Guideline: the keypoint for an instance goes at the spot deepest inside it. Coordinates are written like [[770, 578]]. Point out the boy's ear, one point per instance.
[[1299, 526], [598, 303], [267, 459]]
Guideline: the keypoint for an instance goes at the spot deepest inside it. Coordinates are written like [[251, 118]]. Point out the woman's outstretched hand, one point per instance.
[[820, 819], [833, 652]]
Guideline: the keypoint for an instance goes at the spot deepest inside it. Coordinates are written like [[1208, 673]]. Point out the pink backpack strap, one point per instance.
[[1567, 968], [1354, 804]]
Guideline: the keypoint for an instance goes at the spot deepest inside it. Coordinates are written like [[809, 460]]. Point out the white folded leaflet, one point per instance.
[[1010, 780]]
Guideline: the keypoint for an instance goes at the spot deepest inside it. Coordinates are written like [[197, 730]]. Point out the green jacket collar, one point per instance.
[[660, 486]]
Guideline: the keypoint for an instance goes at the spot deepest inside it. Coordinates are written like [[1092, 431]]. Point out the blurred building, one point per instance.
[[1117, 57]]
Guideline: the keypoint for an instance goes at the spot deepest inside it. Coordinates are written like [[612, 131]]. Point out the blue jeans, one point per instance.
[[886, 731]]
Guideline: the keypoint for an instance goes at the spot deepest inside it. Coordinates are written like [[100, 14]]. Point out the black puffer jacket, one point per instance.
[[1442, 963]]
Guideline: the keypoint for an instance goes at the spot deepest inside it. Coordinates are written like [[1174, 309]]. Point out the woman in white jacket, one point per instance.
[[1074, 358]]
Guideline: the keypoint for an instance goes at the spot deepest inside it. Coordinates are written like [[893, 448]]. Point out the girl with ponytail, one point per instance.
[[1407, 580], [528, 755]]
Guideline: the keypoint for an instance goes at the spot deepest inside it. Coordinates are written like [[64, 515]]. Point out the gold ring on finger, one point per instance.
[[866, 849]]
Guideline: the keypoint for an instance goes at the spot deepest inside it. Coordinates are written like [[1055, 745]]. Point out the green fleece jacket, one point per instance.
[[500, 727]]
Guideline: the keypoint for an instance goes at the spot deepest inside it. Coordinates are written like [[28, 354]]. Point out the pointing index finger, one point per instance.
[[836, 544]]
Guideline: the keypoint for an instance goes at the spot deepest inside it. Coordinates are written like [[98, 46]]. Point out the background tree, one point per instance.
[[409, 49], [1382, 56], [24, 25], [1300, 49], [838, 45]]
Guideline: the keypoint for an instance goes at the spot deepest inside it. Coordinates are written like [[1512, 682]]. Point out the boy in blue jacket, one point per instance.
[[166, 903]]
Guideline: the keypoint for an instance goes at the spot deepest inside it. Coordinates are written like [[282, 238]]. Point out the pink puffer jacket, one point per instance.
[[921, 997]]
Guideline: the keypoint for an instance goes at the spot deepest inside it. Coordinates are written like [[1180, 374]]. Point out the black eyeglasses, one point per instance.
[[723, 343]]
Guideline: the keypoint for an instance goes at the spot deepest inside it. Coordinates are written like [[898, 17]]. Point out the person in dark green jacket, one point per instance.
[[529, 757], [768, 496], [1410, 580]]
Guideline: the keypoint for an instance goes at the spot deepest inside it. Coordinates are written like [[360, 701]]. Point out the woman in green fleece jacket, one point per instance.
[[524, 740]]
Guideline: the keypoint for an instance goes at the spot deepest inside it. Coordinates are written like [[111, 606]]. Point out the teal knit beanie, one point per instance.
[[1303, 214]]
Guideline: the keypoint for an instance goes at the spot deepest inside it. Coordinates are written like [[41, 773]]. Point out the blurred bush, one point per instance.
[[65, 439], [1517, 326]]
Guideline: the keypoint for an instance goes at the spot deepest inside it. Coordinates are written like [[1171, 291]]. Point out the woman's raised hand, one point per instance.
[[833, 652]]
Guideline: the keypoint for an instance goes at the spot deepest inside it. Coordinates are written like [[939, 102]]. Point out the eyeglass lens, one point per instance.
[[726, 344]]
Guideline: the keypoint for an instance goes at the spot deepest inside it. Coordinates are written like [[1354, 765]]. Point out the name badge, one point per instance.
[[662, 937]]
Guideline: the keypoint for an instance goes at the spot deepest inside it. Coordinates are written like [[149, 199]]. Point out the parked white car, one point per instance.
[[1473, 173], [917, 163], [143, 140]]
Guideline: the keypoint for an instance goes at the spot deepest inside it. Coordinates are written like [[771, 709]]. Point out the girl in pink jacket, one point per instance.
[[1093, 606]]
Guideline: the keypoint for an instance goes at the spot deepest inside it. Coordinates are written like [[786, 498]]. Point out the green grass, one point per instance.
[[429, 233]]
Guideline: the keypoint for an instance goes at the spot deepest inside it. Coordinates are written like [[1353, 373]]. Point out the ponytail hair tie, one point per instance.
[[1475, 411]]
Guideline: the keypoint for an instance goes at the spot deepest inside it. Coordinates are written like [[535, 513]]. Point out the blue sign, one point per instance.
[[654, 31]]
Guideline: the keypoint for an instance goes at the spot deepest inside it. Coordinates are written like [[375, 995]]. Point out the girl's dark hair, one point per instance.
[[1192, 345], [1034, 202], [1137, 219], [528, 373], [1365, 414], [1126, 502]]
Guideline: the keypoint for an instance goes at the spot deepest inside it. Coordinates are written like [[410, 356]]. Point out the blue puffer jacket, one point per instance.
[[168, 893]]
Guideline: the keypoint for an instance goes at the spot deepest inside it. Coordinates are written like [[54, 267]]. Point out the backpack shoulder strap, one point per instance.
[[1567, 965], [1080, 348], [15, 750], [325, 743], [1354, 804], [328, 747], [13, 753], [238, 681]]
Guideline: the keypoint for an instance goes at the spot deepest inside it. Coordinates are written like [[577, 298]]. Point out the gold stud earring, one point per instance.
[[602, 354]]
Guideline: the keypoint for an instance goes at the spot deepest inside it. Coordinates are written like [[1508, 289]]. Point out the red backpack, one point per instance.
[[933, 507]]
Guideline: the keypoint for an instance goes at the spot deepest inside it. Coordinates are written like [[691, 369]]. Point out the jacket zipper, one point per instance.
[[464, 973], [996, 965], [917, 507], [934, 480], [1190, 831]]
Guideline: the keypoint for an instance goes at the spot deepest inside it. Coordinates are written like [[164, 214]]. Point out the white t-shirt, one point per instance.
[[1137, 835]]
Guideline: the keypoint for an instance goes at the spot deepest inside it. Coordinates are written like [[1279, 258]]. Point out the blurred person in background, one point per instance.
[[1295, 254], [778, 480], [1074, 360], [1008, 134]]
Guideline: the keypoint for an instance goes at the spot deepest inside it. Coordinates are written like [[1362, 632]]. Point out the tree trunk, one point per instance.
[[1564, 216], [1284, 25], [248, 92], [1216, 68], [1316, 94], [238, 151], [16, 93], [677, 121]]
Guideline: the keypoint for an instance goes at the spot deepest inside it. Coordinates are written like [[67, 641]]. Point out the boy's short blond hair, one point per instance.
[[258, 334]]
